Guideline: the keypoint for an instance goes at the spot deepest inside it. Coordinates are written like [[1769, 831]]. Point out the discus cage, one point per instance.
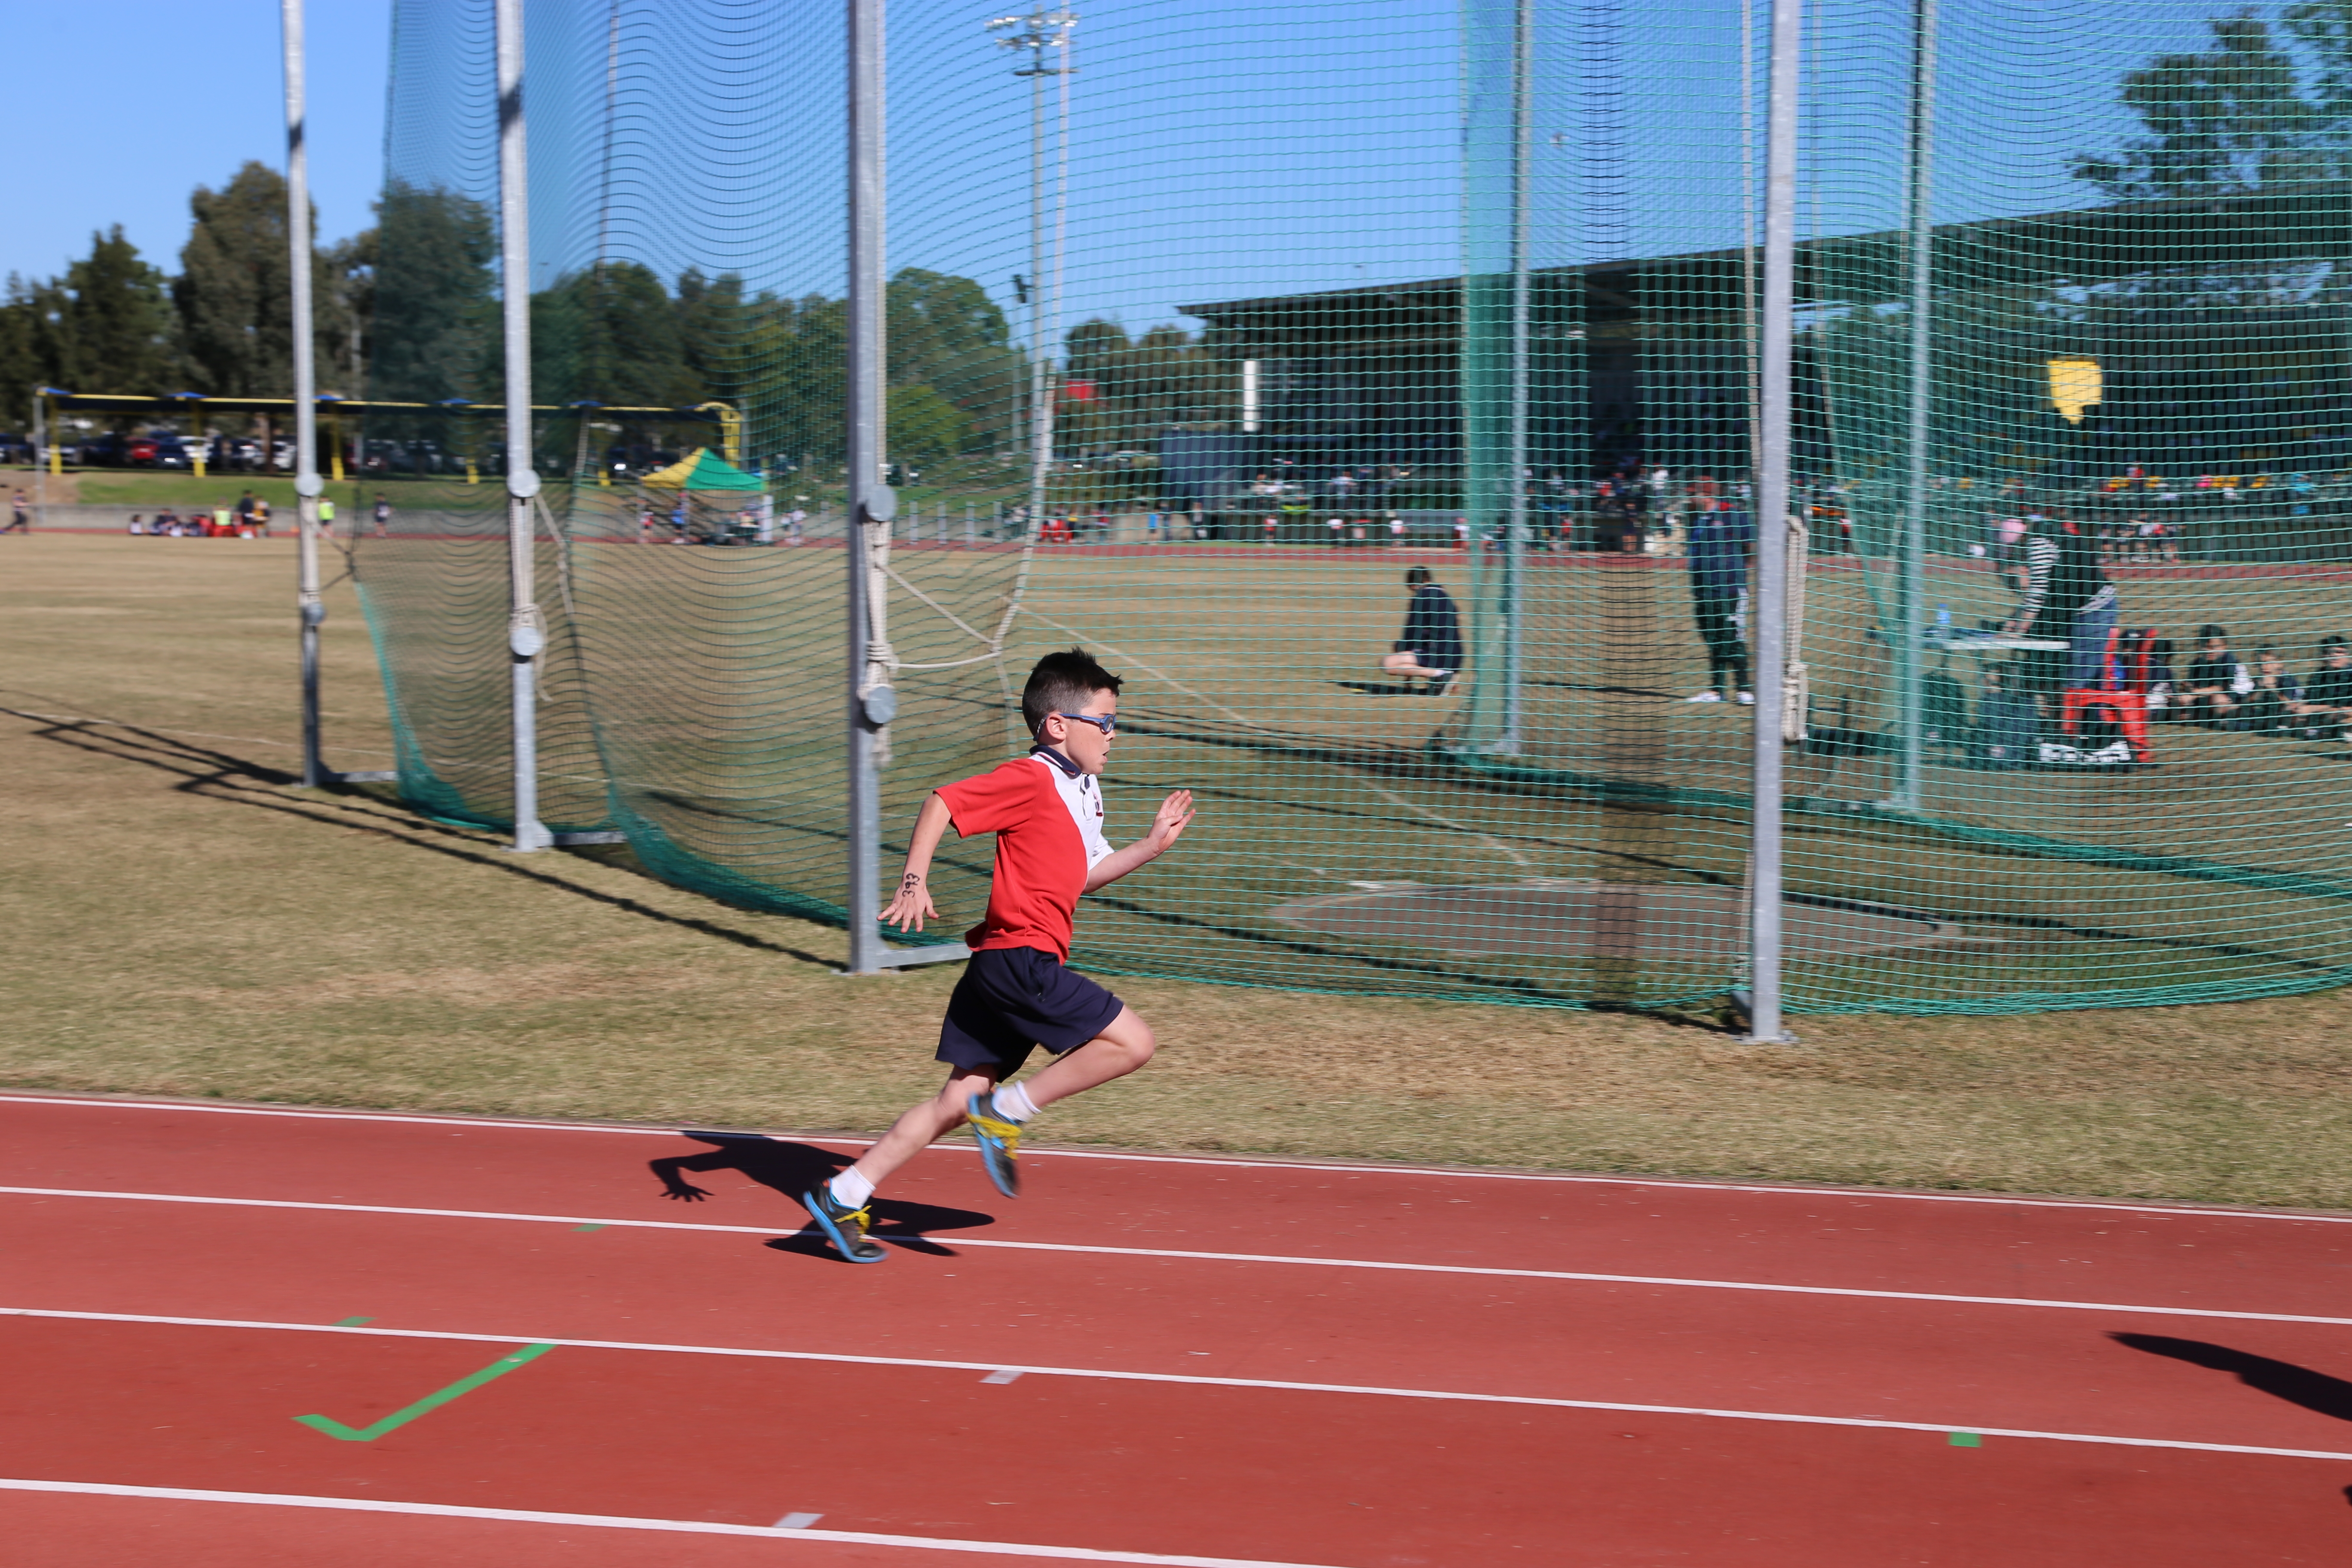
[[1182, 332]]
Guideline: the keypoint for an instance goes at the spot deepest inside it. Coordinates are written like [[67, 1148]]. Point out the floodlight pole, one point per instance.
[[1776, 399], [1514, 539], [1910, 592], [872, 701], [1043, 30], [526, 638], [311, 607]]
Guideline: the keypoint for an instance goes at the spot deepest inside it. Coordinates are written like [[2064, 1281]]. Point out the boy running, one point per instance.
[[1045, 810]]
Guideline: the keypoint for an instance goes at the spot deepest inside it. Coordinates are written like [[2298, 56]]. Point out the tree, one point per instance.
[[32, 321], [1136, 388], [233, 290], [2232, 120], [119, 332], [435, 310], [610, 334], [946, 333], [711, 323], [925, 426], [798, 381], [343, 306]]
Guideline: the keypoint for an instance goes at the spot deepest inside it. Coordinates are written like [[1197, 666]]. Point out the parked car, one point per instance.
[[109, 450], [239, 452], [172, 450]]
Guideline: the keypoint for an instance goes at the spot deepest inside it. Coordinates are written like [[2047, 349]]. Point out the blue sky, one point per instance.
[[1221, 151], [118, 109]]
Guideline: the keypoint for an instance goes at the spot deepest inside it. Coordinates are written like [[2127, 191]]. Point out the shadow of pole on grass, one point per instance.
[[213, 774]]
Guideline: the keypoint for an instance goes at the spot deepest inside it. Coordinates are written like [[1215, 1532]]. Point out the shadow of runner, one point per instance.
[[792, 1168], [2315, 1391]]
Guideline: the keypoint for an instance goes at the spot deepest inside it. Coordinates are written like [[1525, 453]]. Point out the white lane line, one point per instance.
[[342, 1115], [1941, 1428], [784, 1531], [1762, 1189], [1667, 1280]]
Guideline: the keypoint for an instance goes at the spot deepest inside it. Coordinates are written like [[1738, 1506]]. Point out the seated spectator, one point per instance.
[[2217, 682], [1431, 648], [2326, 693], [2009, 725], [1944, 709], [2277, 695]]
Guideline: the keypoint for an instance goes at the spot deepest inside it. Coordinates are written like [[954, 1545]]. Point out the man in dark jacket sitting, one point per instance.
[[1432, 645]]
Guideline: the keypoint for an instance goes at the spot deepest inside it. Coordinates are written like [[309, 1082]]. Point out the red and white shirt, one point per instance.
[[1048, 822]]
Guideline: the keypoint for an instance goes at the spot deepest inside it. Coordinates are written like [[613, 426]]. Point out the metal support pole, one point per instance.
[[1041, 407], [526, 638], [40, 456], [1776, 397], [1910, 596], [872, 503], [311, 607], [1514, 539]]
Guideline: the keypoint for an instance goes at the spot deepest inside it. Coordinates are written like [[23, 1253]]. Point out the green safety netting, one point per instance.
[[1197, 351]]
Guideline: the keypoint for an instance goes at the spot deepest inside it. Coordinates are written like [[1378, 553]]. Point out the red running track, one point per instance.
[[1145, 1359]]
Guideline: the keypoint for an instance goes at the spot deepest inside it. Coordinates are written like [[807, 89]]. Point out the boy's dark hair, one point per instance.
[[2209, 631], [1063, 683], [1416, 576], [2329, 641]]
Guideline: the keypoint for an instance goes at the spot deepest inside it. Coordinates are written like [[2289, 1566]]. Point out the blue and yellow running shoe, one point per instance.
[[845, 1225], [999, 1142]]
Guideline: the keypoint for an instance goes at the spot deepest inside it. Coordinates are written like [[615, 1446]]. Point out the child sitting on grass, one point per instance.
[[1046, 811]]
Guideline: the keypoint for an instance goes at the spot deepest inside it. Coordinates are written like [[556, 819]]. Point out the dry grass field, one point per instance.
[[181, 919]]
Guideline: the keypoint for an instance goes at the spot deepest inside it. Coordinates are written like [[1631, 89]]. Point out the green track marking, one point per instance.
[[466, 1385], [1967, 1441], [352, 1322], [587, 1227]]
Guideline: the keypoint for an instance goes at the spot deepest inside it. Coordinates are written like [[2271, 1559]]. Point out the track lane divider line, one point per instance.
[[618, 1522], [1278, 1385], [1180, 1255], [1041, 1151]]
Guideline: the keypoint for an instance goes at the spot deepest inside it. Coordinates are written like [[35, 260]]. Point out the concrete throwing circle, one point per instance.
[[1598, 920]]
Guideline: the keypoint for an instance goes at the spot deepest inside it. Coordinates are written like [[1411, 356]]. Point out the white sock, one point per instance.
[[851, 1188], [1013, 1104]]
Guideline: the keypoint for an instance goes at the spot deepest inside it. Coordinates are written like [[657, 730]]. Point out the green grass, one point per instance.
[[181, 919]]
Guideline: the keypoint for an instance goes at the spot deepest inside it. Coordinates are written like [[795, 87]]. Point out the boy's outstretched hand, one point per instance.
[[912, 906], [1174, 816]]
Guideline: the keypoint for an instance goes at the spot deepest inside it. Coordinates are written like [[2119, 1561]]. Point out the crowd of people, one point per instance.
[[250, 517], [247, 519]]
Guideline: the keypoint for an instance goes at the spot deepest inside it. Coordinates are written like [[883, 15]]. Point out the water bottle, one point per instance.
[[1944, 621]]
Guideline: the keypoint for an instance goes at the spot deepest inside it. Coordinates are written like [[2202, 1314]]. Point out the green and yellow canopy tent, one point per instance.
[[703, 469]]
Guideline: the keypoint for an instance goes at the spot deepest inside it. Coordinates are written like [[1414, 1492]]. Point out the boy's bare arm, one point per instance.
[[1175, 815], [912, 904]]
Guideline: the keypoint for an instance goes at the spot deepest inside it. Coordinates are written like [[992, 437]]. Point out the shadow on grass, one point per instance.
[[213, 774], [792, 1168]]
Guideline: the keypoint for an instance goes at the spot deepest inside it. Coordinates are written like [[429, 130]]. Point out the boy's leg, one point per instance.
[[1124, 1044], [923, 1125], [839, 1206]]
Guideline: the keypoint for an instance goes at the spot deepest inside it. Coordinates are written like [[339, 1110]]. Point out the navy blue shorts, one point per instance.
[[1012, 1000]]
